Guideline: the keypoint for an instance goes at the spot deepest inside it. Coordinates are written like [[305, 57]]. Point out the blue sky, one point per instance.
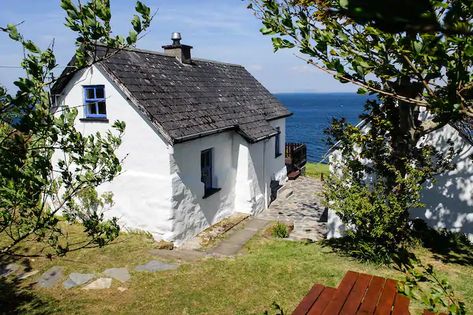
[[221, 30]]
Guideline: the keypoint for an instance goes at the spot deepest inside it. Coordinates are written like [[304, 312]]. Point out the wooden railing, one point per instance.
[[296, 154]]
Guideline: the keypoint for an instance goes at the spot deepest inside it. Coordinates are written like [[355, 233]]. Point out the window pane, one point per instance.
[[102, 108], [99, 92], [92, 108], [89, 93]]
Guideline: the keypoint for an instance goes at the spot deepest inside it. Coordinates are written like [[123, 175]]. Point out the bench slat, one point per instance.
[[341, 294], [319, 306], [356, 295], [401, 305], [386, 301], [372, 296], [309, 300]]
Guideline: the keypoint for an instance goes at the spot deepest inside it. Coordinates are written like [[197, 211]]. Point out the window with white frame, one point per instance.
[[94, 101]]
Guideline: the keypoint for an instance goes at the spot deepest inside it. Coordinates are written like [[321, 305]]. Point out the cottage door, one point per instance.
[[206, 168]]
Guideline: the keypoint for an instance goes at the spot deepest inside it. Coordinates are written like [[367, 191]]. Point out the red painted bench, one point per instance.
[[357, 293]]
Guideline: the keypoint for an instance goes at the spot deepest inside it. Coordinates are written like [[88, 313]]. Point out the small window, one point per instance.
[[94, 101], [206, 168], [277, 143]]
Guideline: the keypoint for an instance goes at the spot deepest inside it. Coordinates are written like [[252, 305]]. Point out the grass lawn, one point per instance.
[[315, 170], [270, 270]]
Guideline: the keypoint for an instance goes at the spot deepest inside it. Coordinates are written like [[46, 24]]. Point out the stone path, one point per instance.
[[50, 277], [301, 207], [232, 245]]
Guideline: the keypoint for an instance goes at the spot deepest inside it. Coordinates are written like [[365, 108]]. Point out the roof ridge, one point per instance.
[[154, 52]]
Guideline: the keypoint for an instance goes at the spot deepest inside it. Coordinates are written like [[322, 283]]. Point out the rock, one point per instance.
[[100, 283], [8, 269], [26, 275], [77, 279], [50, 277], [122, 289], [165, 245], [155, 265], [120, 274]]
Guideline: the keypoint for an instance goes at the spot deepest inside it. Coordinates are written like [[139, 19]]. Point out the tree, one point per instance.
[[33, 189], [420, 73]]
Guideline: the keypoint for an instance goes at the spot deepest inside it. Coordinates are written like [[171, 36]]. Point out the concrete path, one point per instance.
[[232, 245], [300, 203]]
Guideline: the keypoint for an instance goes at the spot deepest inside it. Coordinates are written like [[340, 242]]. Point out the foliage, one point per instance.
[[33, 188], [421, 81], [276, 308], [422, 283], [371, 191], [280, 230]]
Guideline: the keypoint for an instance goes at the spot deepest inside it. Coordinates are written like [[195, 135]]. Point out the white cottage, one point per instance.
[[449, 199], [204, 139]]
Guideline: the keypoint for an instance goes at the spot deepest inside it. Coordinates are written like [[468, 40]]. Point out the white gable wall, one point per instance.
[[448, 200], [142, 193]]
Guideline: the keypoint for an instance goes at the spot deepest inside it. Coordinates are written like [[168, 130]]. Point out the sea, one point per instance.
[[313, 113]]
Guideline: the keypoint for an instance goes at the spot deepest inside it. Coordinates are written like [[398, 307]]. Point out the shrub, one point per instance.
[[280, 230]]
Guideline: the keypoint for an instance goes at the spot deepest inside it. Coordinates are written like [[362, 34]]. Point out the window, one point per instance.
[[206, 168], [277, 143], [94, 101]]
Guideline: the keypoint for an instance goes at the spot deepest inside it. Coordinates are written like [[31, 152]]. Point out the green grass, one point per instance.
[[270, 270], [315, 170]]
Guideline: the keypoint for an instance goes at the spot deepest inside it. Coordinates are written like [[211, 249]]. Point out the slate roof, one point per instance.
[[189, 101]]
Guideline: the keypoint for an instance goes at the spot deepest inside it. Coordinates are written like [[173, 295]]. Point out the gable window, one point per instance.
[[94, 102], [206, 169], [277, 143]]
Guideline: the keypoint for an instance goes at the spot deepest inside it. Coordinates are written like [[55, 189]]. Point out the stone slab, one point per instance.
[[50, 277], [7, 270], [120, 274], [99, 284], [76, 279], [26, 275], [155, 265]]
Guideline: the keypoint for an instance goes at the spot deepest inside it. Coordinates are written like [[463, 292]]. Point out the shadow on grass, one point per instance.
[[15, 296], [361, 250], [446, 246]]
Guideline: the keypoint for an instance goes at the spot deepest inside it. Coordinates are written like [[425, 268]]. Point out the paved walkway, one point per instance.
[[302, 207], [232, 245]]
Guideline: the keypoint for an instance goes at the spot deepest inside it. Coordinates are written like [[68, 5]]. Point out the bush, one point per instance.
[[280, 230]]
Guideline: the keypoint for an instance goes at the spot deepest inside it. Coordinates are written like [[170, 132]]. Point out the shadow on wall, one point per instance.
[[449, 199]]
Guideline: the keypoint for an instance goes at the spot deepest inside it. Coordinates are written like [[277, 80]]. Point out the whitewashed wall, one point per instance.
[[193, 213], [241, 170], [142, 193], [448, 200]]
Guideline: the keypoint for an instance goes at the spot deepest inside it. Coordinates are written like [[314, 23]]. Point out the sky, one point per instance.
[[223, 30]]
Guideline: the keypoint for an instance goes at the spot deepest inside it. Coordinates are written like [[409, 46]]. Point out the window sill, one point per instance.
[[94, 119], [277, 155], [211, 192]]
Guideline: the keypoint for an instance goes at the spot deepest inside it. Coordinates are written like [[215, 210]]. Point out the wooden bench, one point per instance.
[[357, 293]]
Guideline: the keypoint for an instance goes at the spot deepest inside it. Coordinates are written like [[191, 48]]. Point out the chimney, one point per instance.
[[178, 50]]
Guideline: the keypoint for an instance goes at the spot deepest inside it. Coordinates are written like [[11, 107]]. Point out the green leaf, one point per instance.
[[29, 45], [132, 37], [13, 32], [362, 91]]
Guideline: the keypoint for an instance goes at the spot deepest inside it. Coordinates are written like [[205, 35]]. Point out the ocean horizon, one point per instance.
[[313, 113]]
